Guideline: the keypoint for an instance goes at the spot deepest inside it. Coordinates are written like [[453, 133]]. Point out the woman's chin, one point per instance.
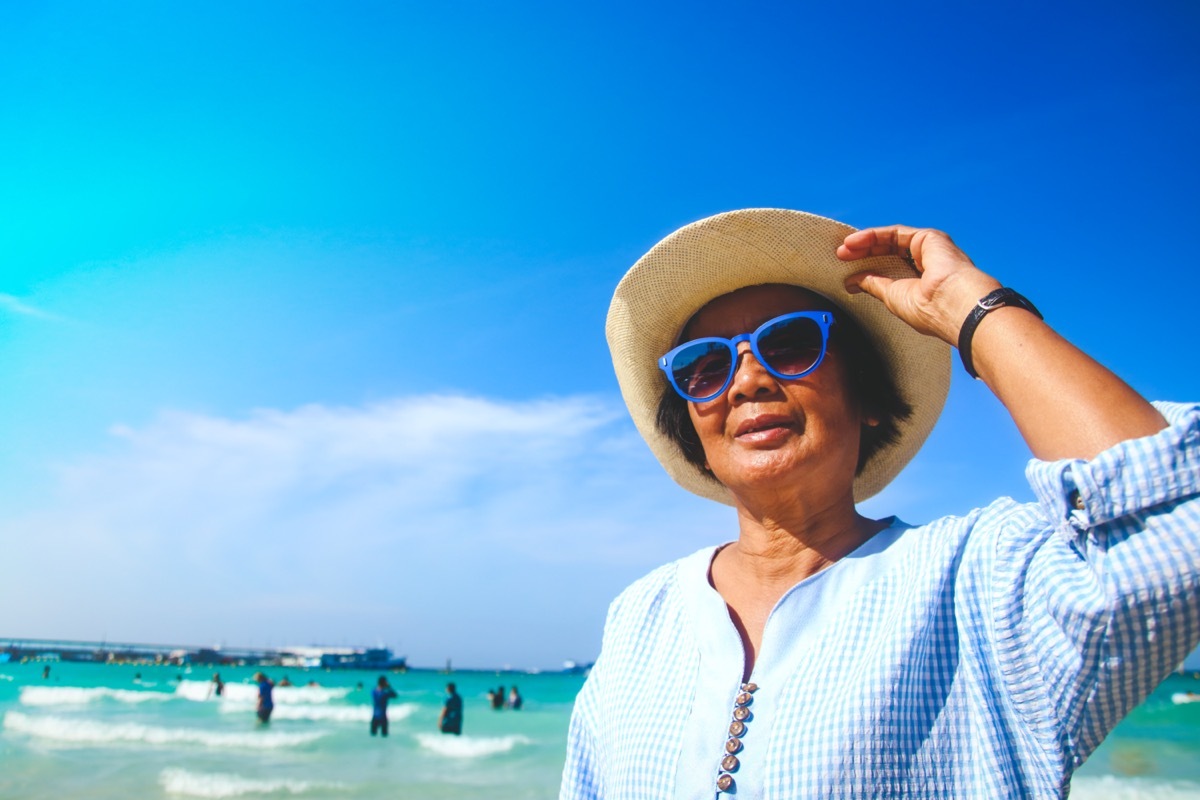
[[785, 471], [765, 473]]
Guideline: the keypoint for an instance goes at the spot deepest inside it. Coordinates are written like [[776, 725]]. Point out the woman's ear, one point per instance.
[[869, 420]]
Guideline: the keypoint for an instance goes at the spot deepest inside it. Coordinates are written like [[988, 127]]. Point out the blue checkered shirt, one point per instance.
[[978, 656]]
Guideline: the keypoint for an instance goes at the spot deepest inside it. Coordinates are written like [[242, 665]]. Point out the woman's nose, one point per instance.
[[749, 376]]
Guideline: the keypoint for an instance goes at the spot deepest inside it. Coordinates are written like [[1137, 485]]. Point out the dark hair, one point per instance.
[[869, 384]]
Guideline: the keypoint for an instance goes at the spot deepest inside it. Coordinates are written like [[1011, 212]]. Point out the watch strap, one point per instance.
[[1000, 298]]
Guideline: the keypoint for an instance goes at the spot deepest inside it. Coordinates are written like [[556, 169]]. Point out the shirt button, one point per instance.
[[741, 713], [737, 728], [750, 687], [724, 782], [733, 745], [745, 699], [730, 763]]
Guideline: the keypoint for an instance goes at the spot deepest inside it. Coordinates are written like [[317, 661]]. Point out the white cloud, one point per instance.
[[455, 525], [16, 306]]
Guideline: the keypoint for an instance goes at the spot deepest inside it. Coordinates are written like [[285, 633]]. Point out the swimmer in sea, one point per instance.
[[451, 718], [266, 703], [379, 698]]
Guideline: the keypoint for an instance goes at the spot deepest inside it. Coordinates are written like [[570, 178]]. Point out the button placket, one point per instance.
[[737, 729]]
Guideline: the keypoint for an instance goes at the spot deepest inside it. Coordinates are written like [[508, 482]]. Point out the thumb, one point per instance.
[[870, 283]]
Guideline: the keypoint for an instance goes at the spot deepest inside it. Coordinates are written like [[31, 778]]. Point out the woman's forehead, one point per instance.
[[743, 310]]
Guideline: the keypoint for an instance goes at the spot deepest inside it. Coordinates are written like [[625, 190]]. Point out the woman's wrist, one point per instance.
[[959, 297], [992, 301]]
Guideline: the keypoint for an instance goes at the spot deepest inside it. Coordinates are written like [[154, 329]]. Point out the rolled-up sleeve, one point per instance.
[[1127, 612]]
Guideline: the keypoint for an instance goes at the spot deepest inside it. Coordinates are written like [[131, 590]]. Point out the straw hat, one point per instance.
[[729, 251]]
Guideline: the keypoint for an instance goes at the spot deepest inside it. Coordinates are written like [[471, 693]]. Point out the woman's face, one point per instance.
[[763, 433]]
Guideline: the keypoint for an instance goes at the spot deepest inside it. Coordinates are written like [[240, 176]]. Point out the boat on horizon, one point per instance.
[[316, 657]]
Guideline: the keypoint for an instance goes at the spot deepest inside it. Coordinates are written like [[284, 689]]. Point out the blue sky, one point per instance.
[[301, 306]]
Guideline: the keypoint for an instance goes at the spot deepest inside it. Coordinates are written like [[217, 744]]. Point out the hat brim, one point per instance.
[[730, 251]]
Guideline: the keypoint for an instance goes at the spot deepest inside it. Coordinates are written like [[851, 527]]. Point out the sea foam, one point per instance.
[[78, 695], [76, 731], [307, 694], [205, 690], [469, 746], [248, 693], [1109, 787], [323, 713], [198, 784]]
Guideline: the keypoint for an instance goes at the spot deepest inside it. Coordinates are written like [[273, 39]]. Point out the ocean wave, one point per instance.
[[204, 690], [221, 785], [248, 692], [76, 731], [197, 784], [323, 713], [79, 695], [307, 694], [469, 746], [1110, 787]]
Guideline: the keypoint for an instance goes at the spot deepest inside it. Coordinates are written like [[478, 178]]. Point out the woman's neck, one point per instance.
[[788, 542]]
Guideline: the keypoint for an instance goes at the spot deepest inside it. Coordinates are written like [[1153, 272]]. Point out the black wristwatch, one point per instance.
[[990, 302]]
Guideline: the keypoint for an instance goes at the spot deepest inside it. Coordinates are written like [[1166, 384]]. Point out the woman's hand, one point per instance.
[[1064, 403], [938, 300]]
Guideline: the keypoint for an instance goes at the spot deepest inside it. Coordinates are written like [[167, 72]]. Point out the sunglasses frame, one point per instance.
[[824, 320]]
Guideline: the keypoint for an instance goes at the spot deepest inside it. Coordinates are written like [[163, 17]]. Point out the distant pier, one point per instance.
[[372, 658]]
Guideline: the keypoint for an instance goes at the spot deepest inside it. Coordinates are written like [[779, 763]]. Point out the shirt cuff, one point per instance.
[[1128, 477]]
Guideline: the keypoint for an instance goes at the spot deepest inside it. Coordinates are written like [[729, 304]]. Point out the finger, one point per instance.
[[880, 241], [869, 282]]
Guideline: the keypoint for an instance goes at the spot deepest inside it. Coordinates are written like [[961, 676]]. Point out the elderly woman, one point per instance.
[[790, 366]]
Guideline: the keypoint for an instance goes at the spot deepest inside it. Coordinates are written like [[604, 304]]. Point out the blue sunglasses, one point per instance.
[[788, 347]]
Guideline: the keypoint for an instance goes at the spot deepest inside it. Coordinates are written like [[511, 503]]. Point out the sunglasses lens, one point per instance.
[[792, 346], [701, 369]]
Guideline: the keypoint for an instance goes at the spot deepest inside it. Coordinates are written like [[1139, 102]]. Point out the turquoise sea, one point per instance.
[[100, 731]]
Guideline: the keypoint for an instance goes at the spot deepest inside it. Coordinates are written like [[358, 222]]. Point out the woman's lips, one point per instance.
[[764, 427]]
